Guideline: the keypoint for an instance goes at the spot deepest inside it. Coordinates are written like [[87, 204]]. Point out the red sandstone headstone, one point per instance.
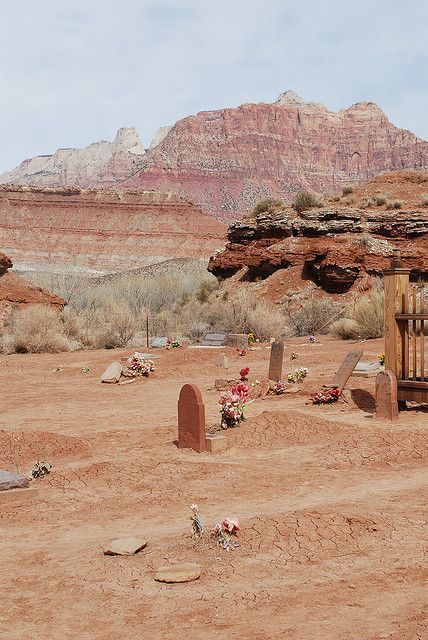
[[345, 370], [191, 419], [276, 358], [386, 396]]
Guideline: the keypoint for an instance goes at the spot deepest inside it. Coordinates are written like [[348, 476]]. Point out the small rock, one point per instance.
[[112, 373], [220, 384], [125, 546], [178, 572]]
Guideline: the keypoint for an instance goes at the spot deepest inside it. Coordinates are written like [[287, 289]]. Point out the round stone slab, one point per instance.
[[125, 546], [185, 572]]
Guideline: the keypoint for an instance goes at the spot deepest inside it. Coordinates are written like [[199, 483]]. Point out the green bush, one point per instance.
[[267, 205], [380, 199]]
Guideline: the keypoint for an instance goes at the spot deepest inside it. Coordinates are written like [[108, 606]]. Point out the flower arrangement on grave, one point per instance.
[[197, 526], [251, 338], [225, 534], [381, 358], [232, 405], [241, 352], [41, 469], [311, 338], [327, 397], [294, 355], [138, 365], [280, 387], [299, 375], [244, 373], [173, 343]]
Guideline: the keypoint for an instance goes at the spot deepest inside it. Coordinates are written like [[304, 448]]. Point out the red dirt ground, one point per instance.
[[330, 502]]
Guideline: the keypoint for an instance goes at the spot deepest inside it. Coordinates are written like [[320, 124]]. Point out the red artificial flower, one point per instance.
[[244, 372]]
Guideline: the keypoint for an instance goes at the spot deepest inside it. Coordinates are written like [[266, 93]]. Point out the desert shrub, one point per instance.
[[306, 200], [347, 190], [315, 316], [37, 329], [346, 329], [369, 314], [348, 200], [380, 199], [266, 205], [423, 200], [108, 326], [394, 204]]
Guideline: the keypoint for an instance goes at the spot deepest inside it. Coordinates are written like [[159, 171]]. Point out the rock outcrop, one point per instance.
[[15, 291], [99, 164], [227, 160], [102, 231], [337, 248]]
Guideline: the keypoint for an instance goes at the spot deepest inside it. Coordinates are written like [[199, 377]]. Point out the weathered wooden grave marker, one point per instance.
[[276, 358], [386, 396], [345, 370]]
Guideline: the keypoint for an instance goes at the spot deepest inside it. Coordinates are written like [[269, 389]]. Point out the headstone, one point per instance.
[[276, 358], [239, 340], [216, 443], [10, 480], [159, 342], [112, 374], [222, 361], [125, 546], [191, 419], [185, 572], [345, 370], [214, 339], [386, 396]]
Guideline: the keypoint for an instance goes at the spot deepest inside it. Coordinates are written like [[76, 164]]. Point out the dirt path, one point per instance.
[[331, 503]]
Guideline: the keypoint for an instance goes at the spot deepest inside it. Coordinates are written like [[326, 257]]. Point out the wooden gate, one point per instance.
[[406, 320]]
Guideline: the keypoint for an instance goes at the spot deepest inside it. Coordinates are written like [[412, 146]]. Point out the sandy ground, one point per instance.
[[330, 502]]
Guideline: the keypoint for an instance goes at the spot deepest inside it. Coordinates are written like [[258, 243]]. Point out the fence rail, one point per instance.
[[406, 320]]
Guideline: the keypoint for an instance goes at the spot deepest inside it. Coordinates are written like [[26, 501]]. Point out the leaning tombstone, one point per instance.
[[112, 374], [386, 396], [276, 358], [191, 419], [345, 370]]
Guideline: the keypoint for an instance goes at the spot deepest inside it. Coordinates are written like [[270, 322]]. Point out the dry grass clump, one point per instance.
[[348, 200], [394, 204], [380, 199], [347, 190], [37, 329], [369, 314], [267, 205], [423, 200], [307, 200], [346, 329], [314, 317]]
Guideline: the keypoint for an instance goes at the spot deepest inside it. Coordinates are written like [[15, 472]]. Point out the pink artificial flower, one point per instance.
[[231, 525]]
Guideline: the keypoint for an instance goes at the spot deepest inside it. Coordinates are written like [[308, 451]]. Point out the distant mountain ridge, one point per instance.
[[227, 160]]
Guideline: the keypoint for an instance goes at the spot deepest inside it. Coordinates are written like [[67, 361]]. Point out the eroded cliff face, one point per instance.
[[99, 164], [336, 249], [17, 292], [101, 231], [227, 160]]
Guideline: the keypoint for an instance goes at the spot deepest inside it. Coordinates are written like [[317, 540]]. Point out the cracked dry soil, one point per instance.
[[330, 501]]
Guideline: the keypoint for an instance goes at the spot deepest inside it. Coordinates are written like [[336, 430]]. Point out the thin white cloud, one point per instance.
[[74, 71]]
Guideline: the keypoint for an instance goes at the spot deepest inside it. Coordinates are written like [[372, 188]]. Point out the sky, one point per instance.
[[72, 72]]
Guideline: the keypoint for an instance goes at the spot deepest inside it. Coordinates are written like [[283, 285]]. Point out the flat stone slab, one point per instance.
[[366, 366], [10, 480], [112, 374], [159, 342], [185, 572], [125, 546], [215, 443], [214, 339]]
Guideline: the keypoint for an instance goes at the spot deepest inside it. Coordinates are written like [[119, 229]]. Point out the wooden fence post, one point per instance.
[[396, 283]]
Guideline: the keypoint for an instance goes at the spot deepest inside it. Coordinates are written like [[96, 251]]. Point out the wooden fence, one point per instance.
[[406, 321]]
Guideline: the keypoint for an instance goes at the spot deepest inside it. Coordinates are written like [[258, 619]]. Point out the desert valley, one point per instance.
[[214, 363]]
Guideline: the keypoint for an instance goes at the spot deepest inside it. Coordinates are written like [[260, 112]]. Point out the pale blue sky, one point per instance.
[[73, 71]]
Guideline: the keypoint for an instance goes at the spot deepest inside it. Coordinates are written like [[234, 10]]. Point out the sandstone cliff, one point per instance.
[[101, 231], [336, 249], [227, 160], [17, 292]]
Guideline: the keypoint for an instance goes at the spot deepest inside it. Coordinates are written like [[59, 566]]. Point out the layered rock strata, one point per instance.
[[335, 247], [101, 231], [227, 160]]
